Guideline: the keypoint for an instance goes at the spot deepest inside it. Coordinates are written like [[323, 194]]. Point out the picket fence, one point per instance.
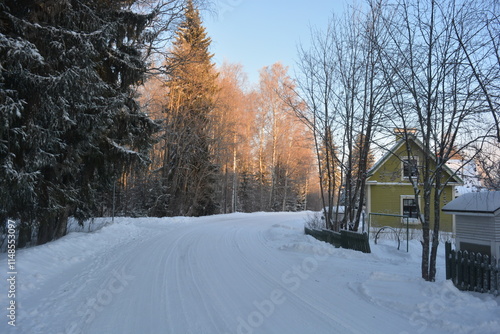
[[471, 271]]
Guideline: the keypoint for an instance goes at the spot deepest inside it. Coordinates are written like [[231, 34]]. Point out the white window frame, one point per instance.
[[410, 220], [403, 160]]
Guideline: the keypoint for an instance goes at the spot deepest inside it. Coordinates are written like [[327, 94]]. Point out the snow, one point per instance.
[[486, 202], [467, 171], [237, 273]]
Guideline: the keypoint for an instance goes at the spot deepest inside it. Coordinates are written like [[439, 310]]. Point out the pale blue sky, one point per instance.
[[258, 33]]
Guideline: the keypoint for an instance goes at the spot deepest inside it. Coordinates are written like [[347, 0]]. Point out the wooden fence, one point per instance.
[[344, 239], [471, 271]]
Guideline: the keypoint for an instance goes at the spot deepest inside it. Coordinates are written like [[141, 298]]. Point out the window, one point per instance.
[[410, 168], [410, 208]]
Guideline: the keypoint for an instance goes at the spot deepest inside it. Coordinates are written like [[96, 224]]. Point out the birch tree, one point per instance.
[[282, 141], [478, 35], [231, 131], [342, 86], [433, 91]]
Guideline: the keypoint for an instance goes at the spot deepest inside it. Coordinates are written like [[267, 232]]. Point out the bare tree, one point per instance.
[[488, 165], [344, 90], [431, 90], [281, 139], [230, 132], [315, 84], [372, 99], [478, 34]]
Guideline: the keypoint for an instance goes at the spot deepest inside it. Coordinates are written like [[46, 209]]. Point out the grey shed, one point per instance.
[[477, 219]]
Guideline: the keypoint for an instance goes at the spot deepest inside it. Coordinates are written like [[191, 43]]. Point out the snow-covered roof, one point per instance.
[[486, 202]]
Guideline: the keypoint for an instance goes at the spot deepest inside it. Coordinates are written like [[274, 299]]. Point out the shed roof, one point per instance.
[[486, 202]]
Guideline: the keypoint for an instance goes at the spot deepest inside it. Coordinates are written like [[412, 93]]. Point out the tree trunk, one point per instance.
[[437, 216], [25, 230], [235, 180]]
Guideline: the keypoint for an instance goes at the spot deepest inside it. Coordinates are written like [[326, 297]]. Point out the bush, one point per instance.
[[316, 221]]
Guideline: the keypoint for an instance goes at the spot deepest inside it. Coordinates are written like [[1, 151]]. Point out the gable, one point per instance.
[[389, 169]]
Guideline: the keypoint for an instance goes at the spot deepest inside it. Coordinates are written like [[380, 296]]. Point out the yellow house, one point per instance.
[[390, 192]]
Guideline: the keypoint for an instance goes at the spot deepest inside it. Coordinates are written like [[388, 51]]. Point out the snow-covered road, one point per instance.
[[238, 273]]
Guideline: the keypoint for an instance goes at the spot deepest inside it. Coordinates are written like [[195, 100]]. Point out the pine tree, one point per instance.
[[189, 174], [69, 123]]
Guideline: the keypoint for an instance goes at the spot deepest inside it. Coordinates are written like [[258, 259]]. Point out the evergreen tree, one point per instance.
[[69, 123], [189, 174]]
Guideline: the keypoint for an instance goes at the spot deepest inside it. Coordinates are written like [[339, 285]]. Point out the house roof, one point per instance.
[[486, 202], [420, 145]]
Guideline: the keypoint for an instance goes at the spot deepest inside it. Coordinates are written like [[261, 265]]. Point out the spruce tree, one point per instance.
[[189, 174], [69, 123]]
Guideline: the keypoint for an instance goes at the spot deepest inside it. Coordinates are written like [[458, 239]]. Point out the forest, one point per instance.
[[117, 108]]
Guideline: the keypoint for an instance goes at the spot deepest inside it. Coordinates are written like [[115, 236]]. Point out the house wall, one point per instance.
[[497, 228], [384, 196], [496, 243], [478, 230], [387, 199], [391, 170], [475, 228]]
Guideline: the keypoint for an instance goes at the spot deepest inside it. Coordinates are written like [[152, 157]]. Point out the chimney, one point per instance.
[[400, 132]]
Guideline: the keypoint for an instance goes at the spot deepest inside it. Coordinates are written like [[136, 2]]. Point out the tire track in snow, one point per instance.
[[278, 263], [207, 275]]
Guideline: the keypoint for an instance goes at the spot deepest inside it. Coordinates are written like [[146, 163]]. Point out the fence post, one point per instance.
[[366, 238], [470, 275], [472, 271], [453, 266], [460, 270], [447, 252], [478, 281], [486, 267], [495, 282]]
